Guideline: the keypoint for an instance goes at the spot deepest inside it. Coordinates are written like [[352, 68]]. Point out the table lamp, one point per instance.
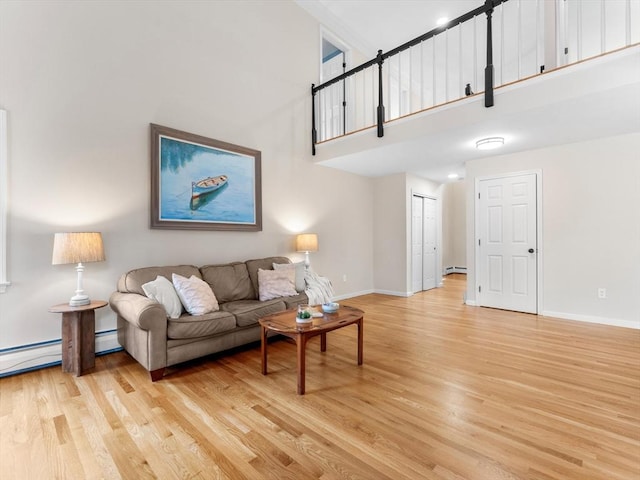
[[307, 242], [78, 247]]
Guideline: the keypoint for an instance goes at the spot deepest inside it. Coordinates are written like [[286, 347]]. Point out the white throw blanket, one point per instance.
[[319, 289]]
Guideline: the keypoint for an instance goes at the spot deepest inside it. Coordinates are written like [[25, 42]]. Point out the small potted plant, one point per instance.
[[304, 314]]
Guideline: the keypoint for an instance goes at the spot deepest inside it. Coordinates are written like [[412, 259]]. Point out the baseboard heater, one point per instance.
[[449, 270], [24, 358]]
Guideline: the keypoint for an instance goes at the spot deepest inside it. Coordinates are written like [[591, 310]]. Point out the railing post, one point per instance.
[[314, 133], [380, 100], [488, 70], [344, 97]]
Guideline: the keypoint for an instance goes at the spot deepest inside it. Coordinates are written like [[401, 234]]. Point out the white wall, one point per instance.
[[454, 224], [591, 226], [389, 234], [81, 81]]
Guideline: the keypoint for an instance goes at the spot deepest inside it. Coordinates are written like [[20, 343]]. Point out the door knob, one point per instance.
[[531, 250]]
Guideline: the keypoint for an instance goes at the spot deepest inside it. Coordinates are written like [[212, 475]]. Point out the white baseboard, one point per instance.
[[352, 294], [614, 322], [31, 357], [394, 293]]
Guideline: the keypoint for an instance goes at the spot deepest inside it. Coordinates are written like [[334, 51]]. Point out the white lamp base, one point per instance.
[[79, 300]]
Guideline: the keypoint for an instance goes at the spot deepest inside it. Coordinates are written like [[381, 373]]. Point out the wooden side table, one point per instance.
[[78, 336]]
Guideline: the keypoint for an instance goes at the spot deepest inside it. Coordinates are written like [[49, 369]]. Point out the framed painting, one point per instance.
[[198, 183]]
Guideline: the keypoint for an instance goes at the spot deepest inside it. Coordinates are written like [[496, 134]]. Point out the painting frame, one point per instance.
[[160, 175]]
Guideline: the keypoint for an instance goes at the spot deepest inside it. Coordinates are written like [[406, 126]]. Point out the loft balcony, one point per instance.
[[559, 73]]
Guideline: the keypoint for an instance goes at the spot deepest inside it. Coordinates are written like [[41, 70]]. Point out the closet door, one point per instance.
[[423, 243], [416, 244], [429, 243]]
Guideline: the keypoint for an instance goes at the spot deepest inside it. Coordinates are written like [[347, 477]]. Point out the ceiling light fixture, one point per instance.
[[490, 143], [441, 21], [453, 175]]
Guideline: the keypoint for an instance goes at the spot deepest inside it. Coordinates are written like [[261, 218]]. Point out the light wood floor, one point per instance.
[[446, 392]]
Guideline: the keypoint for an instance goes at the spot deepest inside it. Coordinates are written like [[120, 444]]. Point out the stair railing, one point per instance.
[[486, 8], [445, 64]]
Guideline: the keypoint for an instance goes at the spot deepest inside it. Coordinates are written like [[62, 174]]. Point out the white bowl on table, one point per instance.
[[330, 307]]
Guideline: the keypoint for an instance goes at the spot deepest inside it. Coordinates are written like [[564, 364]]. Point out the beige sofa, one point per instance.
[[156, 341]]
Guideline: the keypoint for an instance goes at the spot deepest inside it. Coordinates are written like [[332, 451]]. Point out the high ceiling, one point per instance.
[[595, 99], [370, 25]]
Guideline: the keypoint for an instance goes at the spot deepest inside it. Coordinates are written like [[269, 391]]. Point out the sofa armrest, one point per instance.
[[140, 311]]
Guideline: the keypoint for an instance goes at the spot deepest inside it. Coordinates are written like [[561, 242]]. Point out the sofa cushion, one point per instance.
[[275, 283], [298, 268], [195, 294], [161, 290], [229, 282], [263, 263], [248, 312], [192, 326], [293, 302], [132, 281]]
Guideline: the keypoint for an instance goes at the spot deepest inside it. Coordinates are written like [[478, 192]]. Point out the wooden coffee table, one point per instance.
[[284, 323]]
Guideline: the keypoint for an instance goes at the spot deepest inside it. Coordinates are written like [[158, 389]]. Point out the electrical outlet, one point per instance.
[[602, 293], [344, 277]]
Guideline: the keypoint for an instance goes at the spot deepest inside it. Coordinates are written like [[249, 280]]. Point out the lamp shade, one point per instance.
[[77, 247], [307, 242]]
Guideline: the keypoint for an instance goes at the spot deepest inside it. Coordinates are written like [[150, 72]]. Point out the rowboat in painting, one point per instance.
[[207, 185]]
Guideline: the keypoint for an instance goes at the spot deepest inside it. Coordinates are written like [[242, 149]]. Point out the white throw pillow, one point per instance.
[[195, 294], [299, 273], [276, 283], [161, 290]]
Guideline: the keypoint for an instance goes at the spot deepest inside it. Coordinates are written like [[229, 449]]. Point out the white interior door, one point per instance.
[[416, 244], [423, 243], [507, 243], [429, 243]]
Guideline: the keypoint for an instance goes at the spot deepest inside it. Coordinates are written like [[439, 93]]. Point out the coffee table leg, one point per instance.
[[323, 342], [263, 345], [301, 342], [360, 341]]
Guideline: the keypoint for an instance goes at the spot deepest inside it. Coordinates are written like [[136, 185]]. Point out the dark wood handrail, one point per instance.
[[488, 5]]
